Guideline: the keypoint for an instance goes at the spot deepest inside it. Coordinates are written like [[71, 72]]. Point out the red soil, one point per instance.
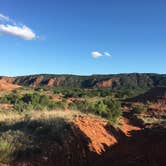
[[51, 82], [158, 107], [127, 127], [37, 81], [104, 84], [93, 142], [95, 130], [6, 85]]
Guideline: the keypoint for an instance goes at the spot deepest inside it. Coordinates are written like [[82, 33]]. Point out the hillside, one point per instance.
[[117, 81], [157, 94], [81, 126], [6, 84]]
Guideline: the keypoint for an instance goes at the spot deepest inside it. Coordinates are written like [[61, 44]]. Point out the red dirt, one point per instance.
[[95, 130], [127, 127], [104, 84], [6, 106], [51, 82], [93, 142], [6, 85], [157, 107], [37, 81]]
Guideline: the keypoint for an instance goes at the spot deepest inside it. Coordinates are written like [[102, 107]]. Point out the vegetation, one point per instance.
[[22, 136], [31, 116], [12, 143], [139, 109], [106, 108], [120, 81], [34, 101]]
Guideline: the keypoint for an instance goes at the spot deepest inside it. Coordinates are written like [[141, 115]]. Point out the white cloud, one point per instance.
[[22, 31], [96, 54], [12, 28], [107, 54]]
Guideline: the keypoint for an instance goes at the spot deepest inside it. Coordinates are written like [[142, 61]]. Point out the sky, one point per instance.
[[82, 36]]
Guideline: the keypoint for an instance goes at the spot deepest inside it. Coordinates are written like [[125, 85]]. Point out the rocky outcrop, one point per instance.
[[37, 81], [105, 83]]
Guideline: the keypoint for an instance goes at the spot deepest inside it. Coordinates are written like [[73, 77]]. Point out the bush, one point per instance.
[[11, 144], [81, 105], [139, 109], [6, 151], [10, 98], [99, 108], [56, 105], [115, 110], [108, 108], [33, 101]]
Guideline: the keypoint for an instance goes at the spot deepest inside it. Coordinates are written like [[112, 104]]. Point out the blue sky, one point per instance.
[[82, 36]]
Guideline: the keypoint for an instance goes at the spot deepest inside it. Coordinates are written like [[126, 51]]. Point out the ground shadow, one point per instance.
[[68, 146]]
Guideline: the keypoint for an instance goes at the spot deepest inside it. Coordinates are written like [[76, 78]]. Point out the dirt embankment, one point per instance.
[[95, 130], [6, 84], [91, 141]]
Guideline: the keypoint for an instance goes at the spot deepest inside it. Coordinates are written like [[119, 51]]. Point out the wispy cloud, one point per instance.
[[96, 54], [4, 18], [107, 54], [10, 27]]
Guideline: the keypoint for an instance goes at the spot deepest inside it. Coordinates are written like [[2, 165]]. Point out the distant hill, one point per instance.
[[113, 81], [156, 94]]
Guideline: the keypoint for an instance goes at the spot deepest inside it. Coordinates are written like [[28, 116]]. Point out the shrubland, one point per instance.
[[34, 101], [34, 116], [22, 135]]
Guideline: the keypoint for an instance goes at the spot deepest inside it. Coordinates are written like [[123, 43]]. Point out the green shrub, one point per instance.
[[99, 108], [12, 143], [72, 106], [107, 108], [6, 151], [10, 98], [139, 109], [52, 105], [115, 110]]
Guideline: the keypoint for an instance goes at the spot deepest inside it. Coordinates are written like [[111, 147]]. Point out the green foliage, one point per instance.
[[23, 138], [10, 98], [139, 109], [11, 144], [34, 101], [53, 129], [104, 105], [99, 108], [6, 151], [80, 92], [107, 108], [115, 109], [52, 105]]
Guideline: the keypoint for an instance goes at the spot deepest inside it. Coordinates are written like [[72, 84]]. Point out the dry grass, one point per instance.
[[11, 116]]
